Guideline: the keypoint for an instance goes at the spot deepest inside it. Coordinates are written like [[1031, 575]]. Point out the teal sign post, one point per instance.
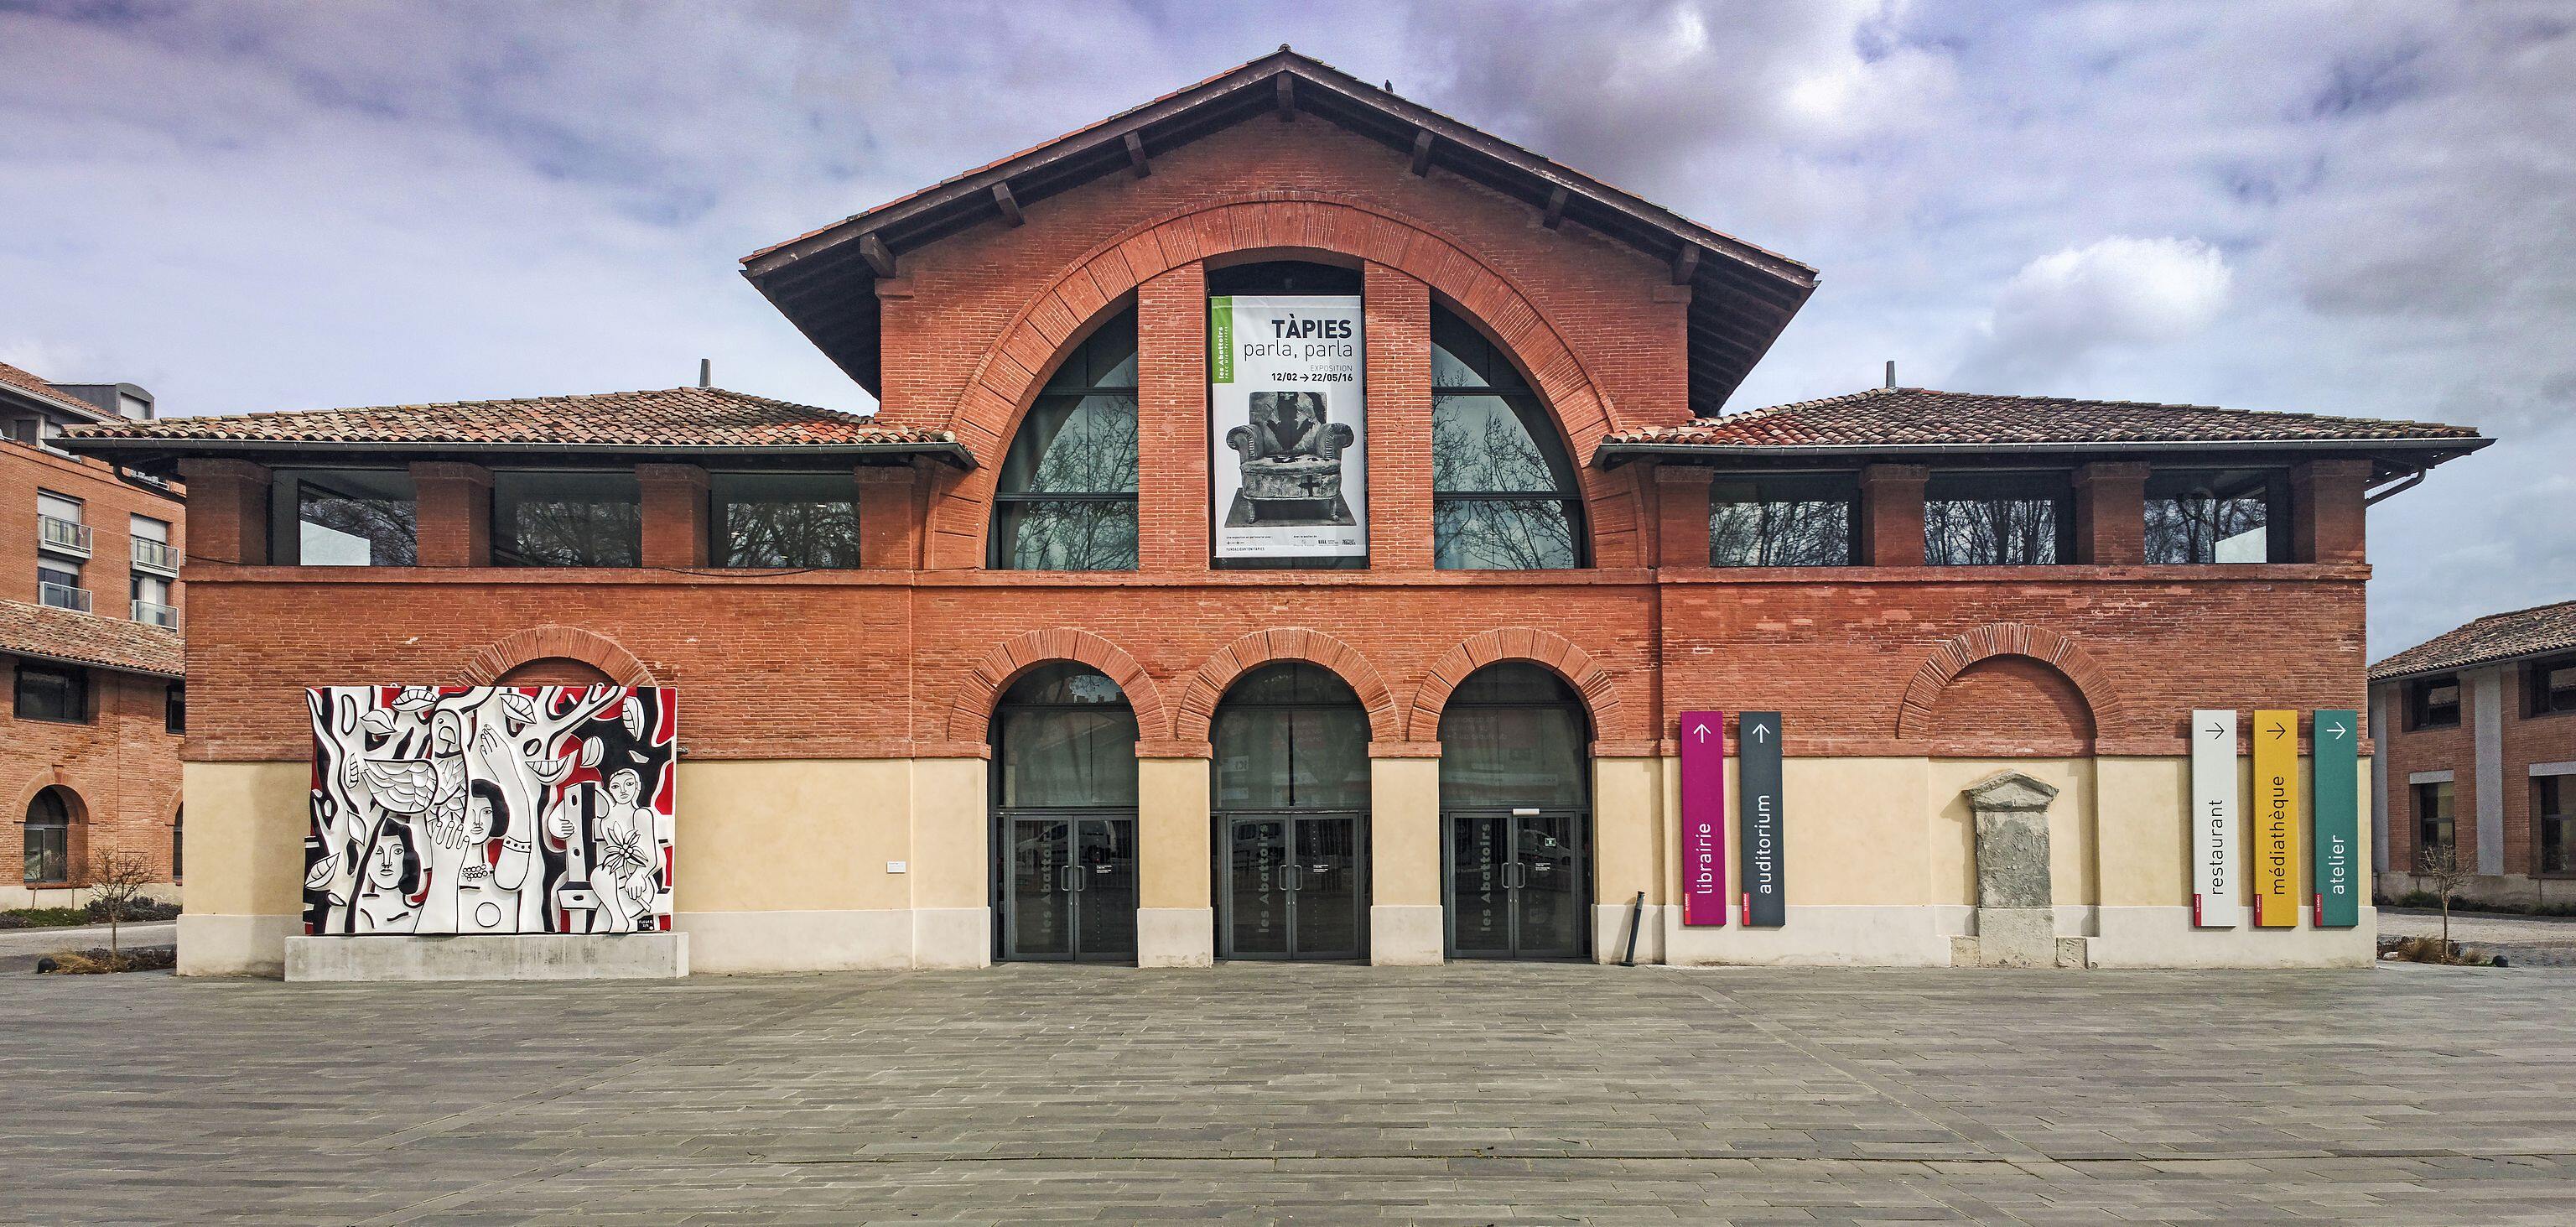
[[2334, 839]]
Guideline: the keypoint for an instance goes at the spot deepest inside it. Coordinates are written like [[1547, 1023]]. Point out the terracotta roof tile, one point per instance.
[[111, 643], [28, 383], [1897, 417], [2503, 636], [667, 417]]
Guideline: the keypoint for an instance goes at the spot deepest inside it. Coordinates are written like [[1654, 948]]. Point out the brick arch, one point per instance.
[[1007, 380], [2058, 652], [490, 662], [1546, 649], [970, 714], [50, 777], [1197, 713]]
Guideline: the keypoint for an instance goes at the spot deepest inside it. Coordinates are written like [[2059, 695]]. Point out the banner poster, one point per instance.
[[1703, 818], [1288, 448], [2276, 819], [2335, 814], [1759, 828], [2217, 889]]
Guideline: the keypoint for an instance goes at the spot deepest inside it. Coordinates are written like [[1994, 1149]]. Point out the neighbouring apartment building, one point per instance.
[[89, 635], [1297, 525], [2477, 759]]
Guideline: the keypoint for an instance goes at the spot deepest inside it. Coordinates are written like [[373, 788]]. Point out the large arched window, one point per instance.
[[1066, 500], [1503, 493], [1292, 794], [1516, 815], [1064, 817], [49, 838]]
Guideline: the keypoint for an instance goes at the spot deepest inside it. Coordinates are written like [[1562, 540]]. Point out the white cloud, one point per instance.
[[2065, 307]]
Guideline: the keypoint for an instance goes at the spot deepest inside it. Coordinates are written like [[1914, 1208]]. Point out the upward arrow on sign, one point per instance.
[[1700, 731], [1761, 732]]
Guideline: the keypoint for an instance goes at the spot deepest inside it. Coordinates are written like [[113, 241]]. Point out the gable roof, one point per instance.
[[28, 386], [2500, 636], [70, 637], [695, 420], [1899, 421], [824, 281]]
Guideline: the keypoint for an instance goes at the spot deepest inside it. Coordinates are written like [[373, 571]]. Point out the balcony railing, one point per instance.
[[63, 596], [153, 555], [62, 536], [163, 616]]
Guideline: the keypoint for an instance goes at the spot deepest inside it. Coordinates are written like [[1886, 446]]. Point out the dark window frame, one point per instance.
[[174, 708], [2553, 802], [2538, 697], [1091, 369], [76, 688], [507, 548], [2270, 486], [2422, 713], [720, 545], [1497, 375], [1782, 489], [286, 504], [2053, 487], [2434, 803], [58, 826]]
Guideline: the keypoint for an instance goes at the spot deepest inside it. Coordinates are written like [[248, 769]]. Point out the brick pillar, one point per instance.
[[454, 521], [2111, 513], [1171, 422], [227, 510], [674, 505], [890, 515], [1891, 514], [1396, 328], [1681, 514], [2327, 516]]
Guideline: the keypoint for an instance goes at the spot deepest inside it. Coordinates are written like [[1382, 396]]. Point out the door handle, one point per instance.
[[1288, 877], [1514, 877], [1069, 879]]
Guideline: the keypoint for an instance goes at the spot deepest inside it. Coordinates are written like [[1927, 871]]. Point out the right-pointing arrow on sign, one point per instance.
[[2278, 731], [2338, 729]]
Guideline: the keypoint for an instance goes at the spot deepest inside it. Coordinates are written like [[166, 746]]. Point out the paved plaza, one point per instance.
[[1462, 1094]]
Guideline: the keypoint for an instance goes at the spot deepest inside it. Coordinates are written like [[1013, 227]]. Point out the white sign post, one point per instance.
[[2215, 888], [1288, 452]]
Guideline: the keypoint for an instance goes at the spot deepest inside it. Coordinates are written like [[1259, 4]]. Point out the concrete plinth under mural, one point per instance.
[[516, 956]]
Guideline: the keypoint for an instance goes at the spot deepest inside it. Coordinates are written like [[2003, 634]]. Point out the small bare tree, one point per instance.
[[116, 881], [2441, 864]]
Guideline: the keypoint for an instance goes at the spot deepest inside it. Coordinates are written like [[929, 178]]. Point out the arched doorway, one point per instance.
[[1516, 816], [48, 842], [1291, 790], [1064, 818]]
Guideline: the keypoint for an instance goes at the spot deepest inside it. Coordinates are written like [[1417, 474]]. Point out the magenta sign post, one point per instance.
[[1703, 818]]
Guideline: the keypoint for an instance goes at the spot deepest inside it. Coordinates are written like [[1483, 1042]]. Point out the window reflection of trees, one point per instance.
[[574, 533], [1990, 532], [386, 525], [791, 534], [1503, 491], [1780, 533], [1066, 497]]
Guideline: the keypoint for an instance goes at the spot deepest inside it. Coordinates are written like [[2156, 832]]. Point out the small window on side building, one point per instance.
[[1988, 519], [2433, 702], [784, 519], [57, 695], [343, 518], [545, 518], [1801, 520], [174, 708], [2549, 686], [2433, 827], [2203, 516], [2553, 819]]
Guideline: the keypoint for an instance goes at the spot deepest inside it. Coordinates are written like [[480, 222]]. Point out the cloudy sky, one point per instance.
[[2344, 208]]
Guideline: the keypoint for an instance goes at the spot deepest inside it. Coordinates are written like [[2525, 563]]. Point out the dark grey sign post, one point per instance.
[[1757, 819]]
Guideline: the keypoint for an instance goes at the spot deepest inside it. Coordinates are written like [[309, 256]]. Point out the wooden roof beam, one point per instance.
[[874, 250], [1287, 95], [1136, 163], [1008, 204], [1686, 266], [1422, 141], [1555, 208]]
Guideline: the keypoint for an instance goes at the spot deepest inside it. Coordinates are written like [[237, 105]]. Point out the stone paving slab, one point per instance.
[[1463, 1094]]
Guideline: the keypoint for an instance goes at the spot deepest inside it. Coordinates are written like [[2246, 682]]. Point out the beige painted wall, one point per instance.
[[952, 828], [1172, 832], [245, 837], [1404, 832], [806, 835], [1627, 820]]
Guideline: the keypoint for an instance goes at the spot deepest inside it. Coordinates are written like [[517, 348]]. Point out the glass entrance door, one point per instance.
[[1071, 891], [1519, 884], [1292, 886]]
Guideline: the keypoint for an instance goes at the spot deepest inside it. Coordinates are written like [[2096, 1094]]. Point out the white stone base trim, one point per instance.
[[753, 943], [1829, 936], [1610, 933], [1176, 937], [1408, 934], [214, 945], [18, 896], [2164, 937], [952, 937], [485, 956]]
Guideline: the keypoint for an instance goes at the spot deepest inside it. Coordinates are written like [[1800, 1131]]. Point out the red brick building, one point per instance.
[[2477, 762], [89, 618], [1053, 658]]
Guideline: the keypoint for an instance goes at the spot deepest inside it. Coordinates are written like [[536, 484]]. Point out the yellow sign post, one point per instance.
[[2276, 819]]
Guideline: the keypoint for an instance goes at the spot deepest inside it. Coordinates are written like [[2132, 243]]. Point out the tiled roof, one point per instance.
[[2503, 636], [112, 643], [1904, 417], [27, 383], [667, 417]]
